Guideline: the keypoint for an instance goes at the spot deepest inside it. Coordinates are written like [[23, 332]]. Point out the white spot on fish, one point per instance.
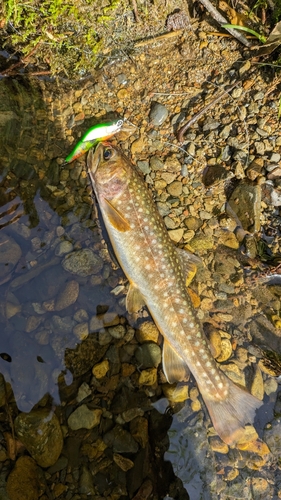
[[197, 344], [213, 371], [191, 325], [220, 385], [208, 364], [181, 311], [148, 266], [198, 335], [174, 323], [184, 320], [177, 301]]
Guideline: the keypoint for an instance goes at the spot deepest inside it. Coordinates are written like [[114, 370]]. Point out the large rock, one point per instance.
[[41, 434], [25, 481]]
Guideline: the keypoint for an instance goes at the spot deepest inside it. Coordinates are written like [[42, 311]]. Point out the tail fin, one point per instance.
[[229, 416]]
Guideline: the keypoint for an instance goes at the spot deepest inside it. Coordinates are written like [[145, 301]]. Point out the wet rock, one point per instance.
[[270, 386], [148, 355], [41, 434], [67, 296], [84, 418], [137, 146], [132, 413], [158, 113], [120, 440], [25, 481], [10, 254], [193, 223], [82, 262], [245, 201]]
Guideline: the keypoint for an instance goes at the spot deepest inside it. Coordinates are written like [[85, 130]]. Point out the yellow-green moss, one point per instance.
[[64, 34]]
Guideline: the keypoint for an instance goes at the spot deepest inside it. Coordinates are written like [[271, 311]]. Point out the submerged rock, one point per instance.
[[10, 254], [67, 296], [82, 262], [84, 418], [41, 434]]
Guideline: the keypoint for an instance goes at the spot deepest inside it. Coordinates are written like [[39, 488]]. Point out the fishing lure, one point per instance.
[[95, 134]]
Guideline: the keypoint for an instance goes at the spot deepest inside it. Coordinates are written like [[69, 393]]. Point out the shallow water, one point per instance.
[[52, 336]]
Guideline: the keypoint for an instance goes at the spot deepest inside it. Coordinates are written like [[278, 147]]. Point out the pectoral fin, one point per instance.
[[134, 300], [175, 369], [115, 218], [189, 264]]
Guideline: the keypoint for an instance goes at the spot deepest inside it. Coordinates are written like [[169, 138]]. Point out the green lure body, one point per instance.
[[95, 134]]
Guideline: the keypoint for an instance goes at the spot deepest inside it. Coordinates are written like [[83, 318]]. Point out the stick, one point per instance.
[[198, 115], [221, 20]]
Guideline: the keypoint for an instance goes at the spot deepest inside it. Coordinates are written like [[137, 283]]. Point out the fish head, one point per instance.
[[109, 170]]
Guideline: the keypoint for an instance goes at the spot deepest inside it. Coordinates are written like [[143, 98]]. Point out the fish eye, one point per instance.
[[119, 123], [107, 154]]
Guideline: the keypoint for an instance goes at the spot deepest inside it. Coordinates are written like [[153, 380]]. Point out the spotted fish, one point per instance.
[[157, 273]]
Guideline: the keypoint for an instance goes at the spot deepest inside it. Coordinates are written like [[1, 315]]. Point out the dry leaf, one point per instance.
[[273, 41]]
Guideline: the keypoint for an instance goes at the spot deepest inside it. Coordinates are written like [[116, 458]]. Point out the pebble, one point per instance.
[[125, 464], [270, 386], [86, 485], [25, 481], [81, 316], [83, 392], [218, 445], [233, 372], [276, 198], [148, 377], [158, 113], [40, 433], [137, 146], [245, 202], [117, 332], [215, 341], [201, 243], [148, 355], [147, 331], [175, 188], [120, 440], [175, 393], [101, 369], [257, 388], [67, 296], [155, 163], [176, 234], [82, 262], [195, 405], [84, 418], [226, 351], [81, 331], [63, 248], [139, 430]]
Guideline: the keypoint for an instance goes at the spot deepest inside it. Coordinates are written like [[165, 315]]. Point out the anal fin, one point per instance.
[[175, 369], [134, 300]]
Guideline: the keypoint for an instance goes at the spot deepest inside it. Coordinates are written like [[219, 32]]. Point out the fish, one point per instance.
[[157, 273], [95, 134]]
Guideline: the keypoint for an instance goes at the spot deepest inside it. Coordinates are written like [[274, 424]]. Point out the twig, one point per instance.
[[221, 20], [170, 34], [7, 71], [198, 115], [135, 9]]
